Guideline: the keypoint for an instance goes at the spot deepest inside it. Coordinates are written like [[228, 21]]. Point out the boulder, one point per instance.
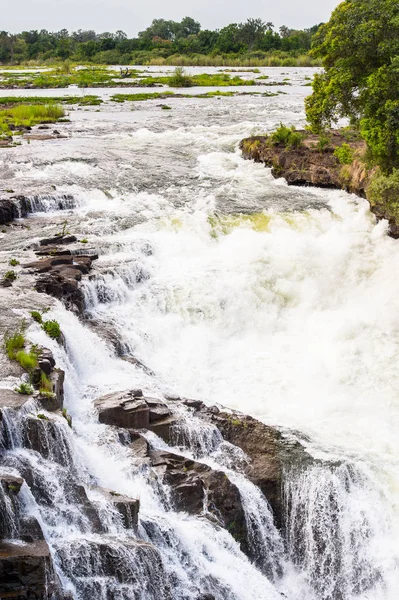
[[132, 410], [264, 446], [60, 277], [127, 507], [59, 239], [123, 409], [26, 571], [198, 489]]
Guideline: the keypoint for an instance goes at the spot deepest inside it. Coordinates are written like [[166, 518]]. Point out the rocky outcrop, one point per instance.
[[61, 272], [307, 165], [263, 445], [198, 489], [131, 410], [26, 571], [127, 507], [18, 206]]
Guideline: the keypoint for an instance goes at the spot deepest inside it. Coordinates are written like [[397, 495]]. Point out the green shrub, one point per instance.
[[345, 154], [10, 276], [286, 136], [323, 142], [166, 107], [27, 360], [24, 389], [295, 140], [84, 241], [180, 79], [52, 328], [14, 262], [13, 343], [384, 190], [36, 316]]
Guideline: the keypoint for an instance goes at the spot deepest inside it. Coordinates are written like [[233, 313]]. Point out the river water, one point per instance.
[[231, 287]]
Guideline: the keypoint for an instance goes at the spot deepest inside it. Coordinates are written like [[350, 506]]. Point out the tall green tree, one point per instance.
[[359, 47]]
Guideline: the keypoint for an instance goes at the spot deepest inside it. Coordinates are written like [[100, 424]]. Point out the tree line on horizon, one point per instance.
[[162, 39]]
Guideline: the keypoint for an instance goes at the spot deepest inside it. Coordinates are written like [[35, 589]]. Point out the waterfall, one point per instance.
[[234, 290], [336, 522]]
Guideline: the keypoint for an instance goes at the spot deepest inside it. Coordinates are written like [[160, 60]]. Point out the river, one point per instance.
[[233, 288]]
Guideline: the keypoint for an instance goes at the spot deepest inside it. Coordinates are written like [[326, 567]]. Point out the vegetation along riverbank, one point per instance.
[[360, 83]]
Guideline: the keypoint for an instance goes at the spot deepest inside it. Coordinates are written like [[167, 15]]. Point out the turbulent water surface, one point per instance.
[[233, 288]]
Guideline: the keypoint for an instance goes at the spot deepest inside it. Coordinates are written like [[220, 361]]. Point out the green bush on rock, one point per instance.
[[52, 328]]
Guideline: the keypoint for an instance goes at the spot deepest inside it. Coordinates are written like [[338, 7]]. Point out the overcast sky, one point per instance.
[[134, 15]]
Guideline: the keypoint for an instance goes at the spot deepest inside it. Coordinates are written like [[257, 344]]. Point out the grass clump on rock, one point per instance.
[[14, 342], [36, 316], [14, 262], [25, 389], [27, 360], [52, 328]]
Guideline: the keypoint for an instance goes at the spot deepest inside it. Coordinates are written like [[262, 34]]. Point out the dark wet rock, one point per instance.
[[123, 409], [60, 277], [46, 355], [127, 507], [195, 404], [139, 446], [26, 571], [53, 251], [6, 283], [10, 487], [30, 530], [197, 488], [163, 429], [59, 239], [206, 597], [264, 446], [46, 264], [11, 484]]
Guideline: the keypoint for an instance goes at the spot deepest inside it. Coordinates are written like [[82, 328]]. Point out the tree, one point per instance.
[[252, 31], [359, 46]]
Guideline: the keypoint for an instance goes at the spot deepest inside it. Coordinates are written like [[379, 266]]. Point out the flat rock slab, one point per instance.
[[10, 399]]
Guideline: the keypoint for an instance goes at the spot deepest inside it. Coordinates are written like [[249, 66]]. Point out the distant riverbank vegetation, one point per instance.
[[253, 43]]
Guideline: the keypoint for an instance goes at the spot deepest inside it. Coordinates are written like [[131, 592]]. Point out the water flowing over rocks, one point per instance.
[[213, 275], [61, 272], [18, 206]]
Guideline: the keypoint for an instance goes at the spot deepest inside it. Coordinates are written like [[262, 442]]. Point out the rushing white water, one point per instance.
[[233, 288]]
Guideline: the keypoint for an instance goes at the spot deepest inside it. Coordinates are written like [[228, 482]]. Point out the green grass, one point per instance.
[[27, 115], [139, 97], [24, 389], [14, 342], [88, 100], [10, 276], [36, 316], [181, 80], [14, 262], [27, 360], [52, 328]]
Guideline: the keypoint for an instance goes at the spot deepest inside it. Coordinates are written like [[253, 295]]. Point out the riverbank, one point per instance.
[[334, 160]]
